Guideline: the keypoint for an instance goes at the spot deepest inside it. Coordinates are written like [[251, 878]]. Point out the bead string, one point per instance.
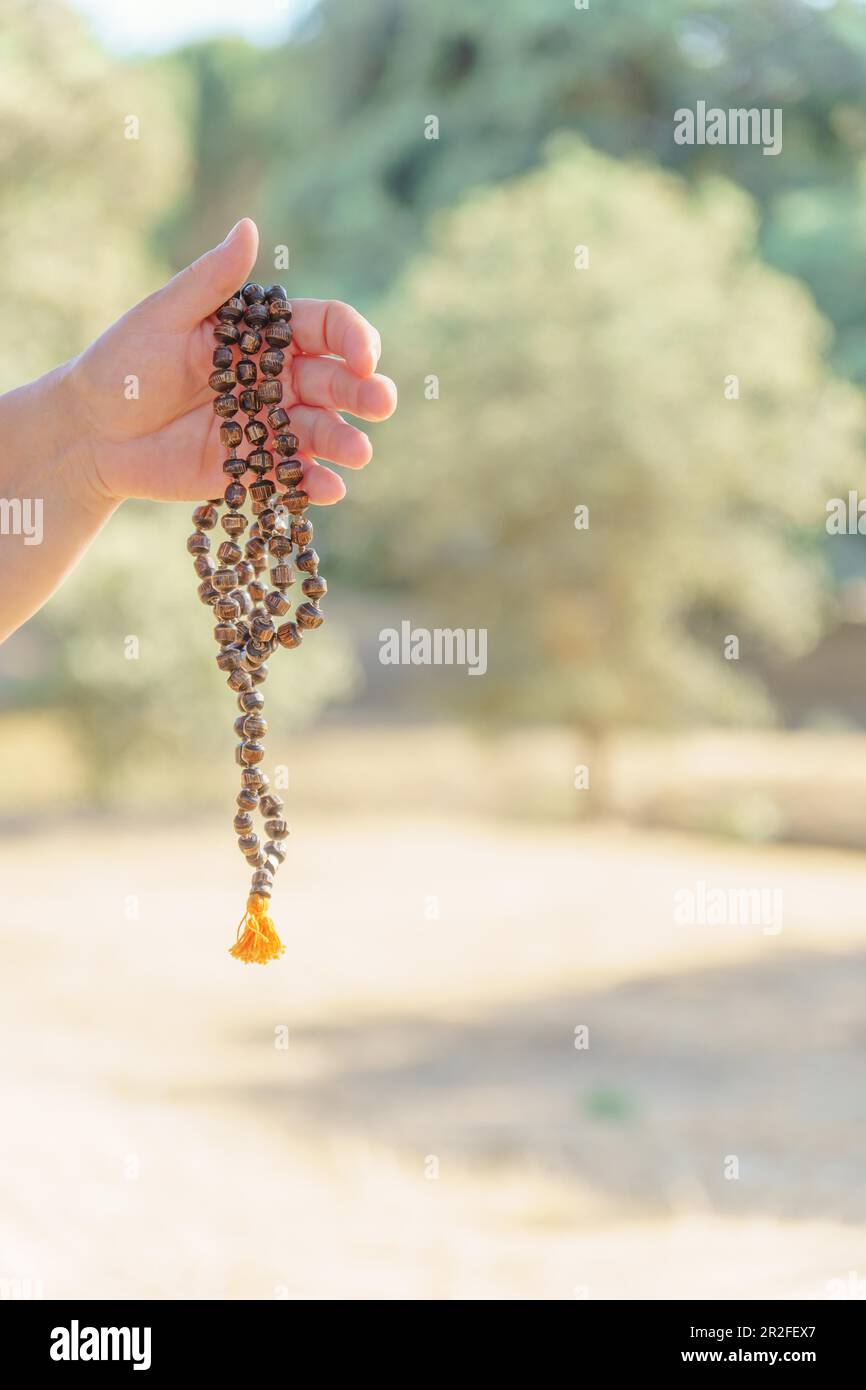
[[244, 606]]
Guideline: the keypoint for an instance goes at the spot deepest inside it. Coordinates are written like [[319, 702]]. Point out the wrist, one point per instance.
[[70, 445]]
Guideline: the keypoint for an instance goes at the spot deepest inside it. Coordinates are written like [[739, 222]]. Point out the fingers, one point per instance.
[[320, 381], [326, 434], [322, 485], [202, 287], [328, 325]]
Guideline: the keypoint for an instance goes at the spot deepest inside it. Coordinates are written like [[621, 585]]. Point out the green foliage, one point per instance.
[[76, 196], [605, 387]]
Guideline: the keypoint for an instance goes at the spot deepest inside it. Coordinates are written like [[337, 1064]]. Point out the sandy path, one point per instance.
[[157, 1142]]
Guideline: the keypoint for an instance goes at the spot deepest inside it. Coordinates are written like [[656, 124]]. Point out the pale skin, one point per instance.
[[75, 439]]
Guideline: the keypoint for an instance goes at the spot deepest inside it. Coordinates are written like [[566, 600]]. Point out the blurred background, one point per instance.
[[492, 1063]]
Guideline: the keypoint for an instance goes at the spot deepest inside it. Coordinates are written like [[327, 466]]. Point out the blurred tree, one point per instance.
[[80, 183], [675, 387], [352, 178]]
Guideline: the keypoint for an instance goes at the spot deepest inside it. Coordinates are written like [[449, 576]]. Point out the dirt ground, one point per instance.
[[398, 1108]]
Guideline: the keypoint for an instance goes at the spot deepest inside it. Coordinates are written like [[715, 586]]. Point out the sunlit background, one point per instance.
[[493, 1062]]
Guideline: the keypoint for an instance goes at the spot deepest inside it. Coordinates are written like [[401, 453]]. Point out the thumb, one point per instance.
[[202, 287]]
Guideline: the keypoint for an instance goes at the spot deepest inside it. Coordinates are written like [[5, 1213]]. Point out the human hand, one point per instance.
[[165, 443]]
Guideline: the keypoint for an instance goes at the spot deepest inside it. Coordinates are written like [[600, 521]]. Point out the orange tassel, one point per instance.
[[257, 941]]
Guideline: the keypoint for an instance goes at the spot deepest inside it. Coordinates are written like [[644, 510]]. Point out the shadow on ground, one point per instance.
[[763, 1064]]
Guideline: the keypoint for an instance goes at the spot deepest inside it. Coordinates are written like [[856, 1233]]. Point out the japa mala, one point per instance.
[[247, 608]]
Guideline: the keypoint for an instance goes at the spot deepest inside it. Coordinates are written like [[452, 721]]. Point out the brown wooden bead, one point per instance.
[[261, 675], [249, 342], [252, 751], [255, 726], [231, 435], [234, 523], [203, 567], [225, 634], [288, 635], [279, 308], [289, 472], [248, 844], [223, 379], [227, 609], [229, 553], [226, 333], [262, 489], [255, 655], [256, 548], [262, 627], [226, 406], [225, 580], [207, 593], [243, 822], [280, 546], [260, 461], [256, 591], [286, 444], [249, 401], [243, 632], [302, 533], [259, 860], [222, 355], [308, 560], [256, 316], [247, 372], [238, 726], [247, 798], [314, 587], [245, 572], [283, 576], [308, 615], [262, 884], [253, 293], [270, 392], [279, 420], [198, 543], [277, 604], [277, 828], [278, 334], [236, 495], [275, 849], [240, 679], [252, 777], [234, 467], [276, 291], [271, 362], [251, 702], [229, 658], [295, 500], [243, 600], [271, 804], [264, 784], [256, 432], [205, 517], [232, 311]]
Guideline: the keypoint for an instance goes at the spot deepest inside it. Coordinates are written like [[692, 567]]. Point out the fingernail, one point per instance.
[[376, 348]]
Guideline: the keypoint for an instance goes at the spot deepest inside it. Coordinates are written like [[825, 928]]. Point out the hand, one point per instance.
[[165, 444]]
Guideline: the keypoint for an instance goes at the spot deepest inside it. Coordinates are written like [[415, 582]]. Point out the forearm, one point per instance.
[[50, 510]]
